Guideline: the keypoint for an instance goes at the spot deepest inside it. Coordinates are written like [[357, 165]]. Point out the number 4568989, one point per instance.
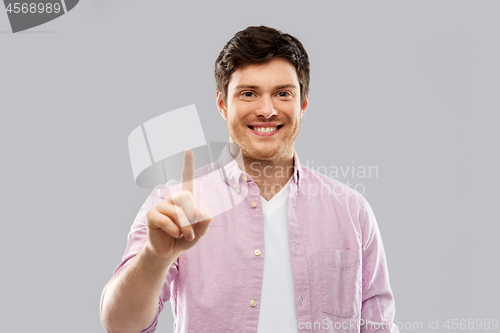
[[32, 8], [470, 324]]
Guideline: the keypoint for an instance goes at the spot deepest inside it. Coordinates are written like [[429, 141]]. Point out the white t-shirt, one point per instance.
[[277, 305]]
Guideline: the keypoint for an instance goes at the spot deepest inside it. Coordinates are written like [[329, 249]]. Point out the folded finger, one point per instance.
[[157, 219]]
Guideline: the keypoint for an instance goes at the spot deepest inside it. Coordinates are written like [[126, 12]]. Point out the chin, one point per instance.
[[264, 153]]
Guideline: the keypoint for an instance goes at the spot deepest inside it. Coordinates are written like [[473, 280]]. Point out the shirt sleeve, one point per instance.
[[137, 237], [377, 307]]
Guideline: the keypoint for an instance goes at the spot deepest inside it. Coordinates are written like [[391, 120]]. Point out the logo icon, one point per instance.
[[157, 148]]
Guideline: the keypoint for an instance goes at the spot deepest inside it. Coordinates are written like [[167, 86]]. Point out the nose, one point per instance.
[[266, 107]]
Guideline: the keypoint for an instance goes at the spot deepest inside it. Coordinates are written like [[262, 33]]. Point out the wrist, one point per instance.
[[150, 254]]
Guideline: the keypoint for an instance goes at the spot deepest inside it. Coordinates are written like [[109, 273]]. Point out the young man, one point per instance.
[[289, 249]]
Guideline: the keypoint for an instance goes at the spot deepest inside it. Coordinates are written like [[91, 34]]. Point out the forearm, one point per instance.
[[131, 298]]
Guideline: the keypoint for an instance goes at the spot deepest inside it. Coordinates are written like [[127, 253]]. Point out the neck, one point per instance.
[[270, 175]]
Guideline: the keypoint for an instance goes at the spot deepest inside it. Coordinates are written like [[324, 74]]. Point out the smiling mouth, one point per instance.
[[266, 129]]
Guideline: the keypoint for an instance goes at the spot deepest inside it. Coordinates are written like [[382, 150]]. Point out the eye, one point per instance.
[[248, 94], [284, 94]]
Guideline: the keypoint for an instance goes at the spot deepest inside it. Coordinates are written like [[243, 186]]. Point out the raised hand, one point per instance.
[[177, 224]]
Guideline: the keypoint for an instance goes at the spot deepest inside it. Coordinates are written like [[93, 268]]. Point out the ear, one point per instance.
[[304, 106], [220, 105]]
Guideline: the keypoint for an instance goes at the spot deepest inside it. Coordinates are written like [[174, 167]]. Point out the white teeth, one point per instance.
[[265, 129]]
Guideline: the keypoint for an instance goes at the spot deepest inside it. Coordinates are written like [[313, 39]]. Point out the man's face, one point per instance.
[[263, 110]]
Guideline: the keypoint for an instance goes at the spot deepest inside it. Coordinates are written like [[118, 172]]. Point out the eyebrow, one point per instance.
[[249, 86]]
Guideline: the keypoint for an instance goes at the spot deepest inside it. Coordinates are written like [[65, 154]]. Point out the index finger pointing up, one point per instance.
[[188, 171]]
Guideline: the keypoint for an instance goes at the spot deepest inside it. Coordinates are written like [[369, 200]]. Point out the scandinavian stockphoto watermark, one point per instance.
[[154, 162], [27, 14], [352, 175]]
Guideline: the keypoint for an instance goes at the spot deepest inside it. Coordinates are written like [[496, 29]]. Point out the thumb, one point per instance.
[[203, 219]]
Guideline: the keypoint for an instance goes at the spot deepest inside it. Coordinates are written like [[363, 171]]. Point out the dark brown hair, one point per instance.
[[257, 45]]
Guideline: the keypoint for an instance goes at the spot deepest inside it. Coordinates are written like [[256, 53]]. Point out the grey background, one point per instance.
[[411, 88]]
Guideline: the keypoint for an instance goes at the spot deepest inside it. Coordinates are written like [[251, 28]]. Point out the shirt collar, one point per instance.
[[232, 174]]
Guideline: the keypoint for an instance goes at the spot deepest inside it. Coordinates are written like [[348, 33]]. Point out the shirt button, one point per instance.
[[235, 185], [299, 184], [257, 252], [254, 204], [253, 303], [245, 178]]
